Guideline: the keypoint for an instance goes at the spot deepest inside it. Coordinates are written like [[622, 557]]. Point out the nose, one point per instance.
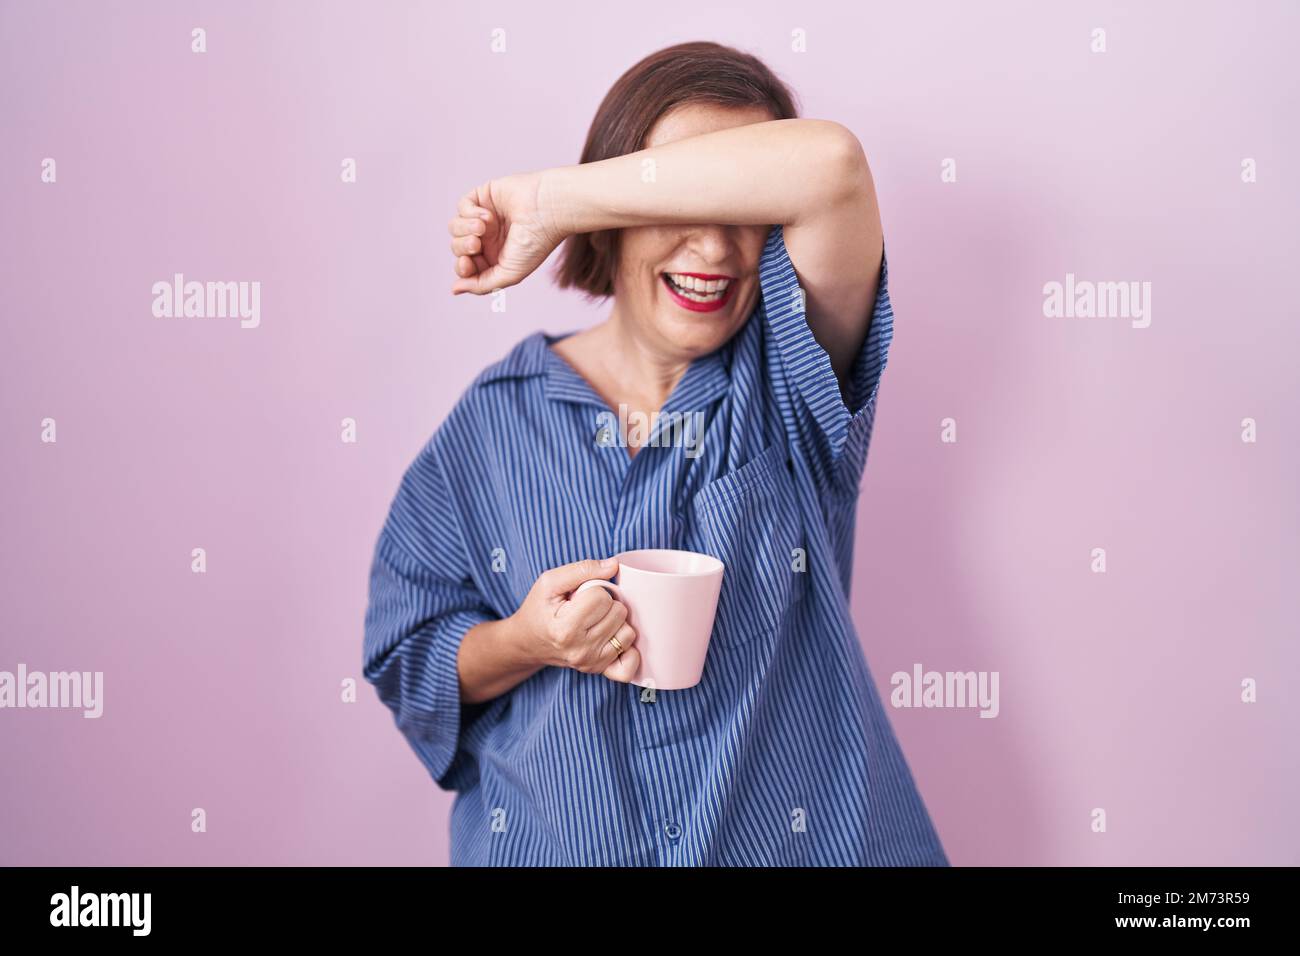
[[712, 243]]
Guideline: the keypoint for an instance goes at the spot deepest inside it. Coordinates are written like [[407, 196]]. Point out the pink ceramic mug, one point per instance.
[[671, 598]]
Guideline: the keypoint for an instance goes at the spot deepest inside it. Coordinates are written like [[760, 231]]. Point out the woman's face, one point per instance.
[[688, 289]]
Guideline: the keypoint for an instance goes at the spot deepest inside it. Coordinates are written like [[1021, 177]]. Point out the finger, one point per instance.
[[624, 667], [606, 652], [587, 609], [484, 282], [567, 577], [461, 226], [466, 245], [609, 625], [626, 636], [477, 277], [469, 208]]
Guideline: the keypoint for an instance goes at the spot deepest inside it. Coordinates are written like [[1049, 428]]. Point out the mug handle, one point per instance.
[[610, 586]]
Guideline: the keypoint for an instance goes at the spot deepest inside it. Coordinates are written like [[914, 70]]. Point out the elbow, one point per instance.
[[844, 173]]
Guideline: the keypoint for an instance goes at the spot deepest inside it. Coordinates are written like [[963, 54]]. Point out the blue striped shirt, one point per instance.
[[783, 753]]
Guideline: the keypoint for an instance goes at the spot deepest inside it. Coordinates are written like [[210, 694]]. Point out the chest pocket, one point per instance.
[[749, 519]]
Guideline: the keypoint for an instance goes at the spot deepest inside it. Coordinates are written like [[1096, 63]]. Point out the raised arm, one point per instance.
[[810, 176]]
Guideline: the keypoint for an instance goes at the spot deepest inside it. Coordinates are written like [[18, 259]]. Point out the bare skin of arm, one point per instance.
[[810, 176]]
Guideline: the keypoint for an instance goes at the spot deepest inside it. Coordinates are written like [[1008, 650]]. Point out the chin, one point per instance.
[[698, 335]]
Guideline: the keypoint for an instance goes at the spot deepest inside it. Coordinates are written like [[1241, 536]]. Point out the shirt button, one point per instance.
[[672, 831], [604, 437]]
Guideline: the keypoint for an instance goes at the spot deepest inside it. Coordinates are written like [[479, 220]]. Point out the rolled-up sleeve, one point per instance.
[[834, 435], [422, 603]]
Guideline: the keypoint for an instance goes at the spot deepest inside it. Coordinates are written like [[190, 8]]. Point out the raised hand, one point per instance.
[[501, 234]]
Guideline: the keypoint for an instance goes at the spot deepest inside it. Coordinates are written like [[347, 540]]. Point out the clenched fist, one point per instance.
[[501, 233]]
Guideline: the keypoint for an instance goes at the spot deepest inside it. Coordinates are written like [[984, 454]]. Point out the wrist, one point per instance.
[[527, 650], [558, 202]]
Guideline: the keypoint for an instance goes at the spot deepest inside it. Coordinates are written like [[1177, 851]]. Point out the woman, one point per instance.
[[742, 248]]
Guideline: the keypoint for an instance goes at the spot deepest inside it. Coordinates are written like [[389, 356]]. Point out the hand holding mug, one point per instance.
[[582, 631]]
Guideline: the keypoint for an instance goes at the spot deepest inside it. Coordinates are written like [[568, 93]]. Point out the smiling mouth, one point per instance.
[[698, 292]]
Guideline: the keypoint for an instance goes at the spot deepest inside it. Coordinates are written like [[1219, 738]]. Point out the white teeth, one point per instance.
[[697, 289]]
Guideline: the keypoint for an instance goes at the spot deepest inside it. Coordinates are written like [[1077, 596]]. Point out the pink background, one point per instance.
[[222, 690]]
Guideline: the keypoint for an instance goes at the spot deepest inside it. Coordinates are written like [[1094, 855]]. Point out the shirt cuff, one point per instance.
[[418, 678], [442, 750], [808, 371]]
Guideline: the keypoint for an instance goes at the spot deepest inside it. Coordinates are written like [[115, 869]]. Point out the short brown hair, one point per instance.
[[685, 73]]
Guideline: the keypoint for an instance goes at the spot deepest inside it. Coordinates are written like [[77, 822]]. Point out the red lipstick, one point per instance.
[[690, 304]]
